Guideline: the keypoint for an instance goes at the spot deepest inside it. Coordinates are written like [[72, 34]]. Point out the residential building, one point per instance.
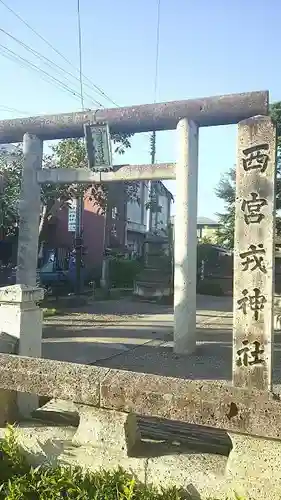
[[142, 219], [207, 228], [123, 227]]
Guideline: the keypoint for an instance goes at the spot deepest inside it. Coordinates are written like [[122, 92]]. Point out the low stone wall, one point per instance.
[[214, 403], [99, 426]]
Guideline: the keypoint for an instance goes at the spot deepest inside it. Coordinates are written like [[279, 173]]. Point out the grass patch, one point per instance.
[[19, 481]]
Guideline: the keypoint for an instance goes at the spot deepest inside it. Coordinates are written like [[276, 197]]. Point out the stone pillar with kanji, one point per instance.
[[254, 253]]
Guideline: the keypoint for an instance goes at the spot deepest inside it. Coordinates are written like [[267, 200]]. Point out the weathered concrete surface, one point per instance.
[[79, 383], [160, 171], [21, 319], [29, 210], [185, 244], [206, 111], [151, 462], [105, 330], [199, 402], [252, 468], [112, 430], [179, 434], [41, 443], [138, 336], [131, 324], [254, 253], [154, 357], [209, 403]]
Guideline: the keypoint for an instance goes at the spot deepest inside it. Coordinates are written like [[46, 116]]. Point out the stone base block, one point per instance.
[[107, 429], [151, 291]]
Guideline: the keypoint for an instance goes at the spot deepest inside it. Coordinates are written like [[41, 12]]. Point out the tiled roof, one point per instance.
[[205, 221]]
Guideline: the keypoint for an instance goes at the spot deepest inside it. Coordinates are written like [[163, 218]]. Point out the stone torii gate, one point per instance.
[[185, 116]]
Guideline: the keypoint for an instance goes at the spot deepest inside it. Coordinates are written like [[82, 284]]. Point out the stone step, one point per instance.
[[153, 284], [150, 276]]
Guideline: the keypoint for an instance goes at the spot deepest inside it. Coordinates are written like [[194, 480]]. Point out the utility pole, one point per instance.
[[80, 199], [150, 183], [78, 243], [2, 184]]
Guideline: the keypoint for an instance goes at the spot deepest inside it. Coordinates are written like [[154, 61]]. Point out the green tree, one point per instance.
[[226, 190], [10, 172], [69, 153]]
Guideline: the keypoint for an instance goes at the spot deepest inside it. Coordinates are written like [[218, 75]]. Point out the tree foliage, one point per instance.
[[226, 190], [69, 153]]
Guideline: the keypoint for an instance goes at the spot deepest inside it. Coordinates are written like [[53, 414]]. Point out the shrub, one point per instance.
[[209, 287], [123, 272], [19, 481]]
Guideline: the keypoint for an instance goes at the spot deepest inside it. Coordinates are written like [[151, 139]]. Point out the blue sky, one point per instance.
[[206, 48]]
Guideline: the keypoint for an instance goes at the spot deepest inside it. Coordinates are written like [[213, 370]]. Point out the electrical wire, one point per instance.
[[96, 87], [46, 76], [12, 110], [49, 63], [10, 54]]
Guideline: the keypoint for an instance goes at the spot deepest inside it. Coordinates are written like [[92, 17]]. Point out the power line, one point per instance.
[[43, 74], [12, 110], [99, 89], [10, 54], [48, 62]]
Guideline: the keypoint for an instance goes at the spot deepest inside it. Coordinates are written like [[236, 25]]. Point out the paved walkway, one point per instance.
[[138, 336]]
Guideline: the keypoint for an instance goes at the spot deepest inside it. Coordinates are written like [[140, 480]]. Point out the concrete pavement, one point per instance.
[[138, 336]]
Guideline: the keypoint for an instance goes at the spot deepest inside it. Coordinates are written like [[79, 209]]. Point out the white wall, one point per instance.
[[137, 213]]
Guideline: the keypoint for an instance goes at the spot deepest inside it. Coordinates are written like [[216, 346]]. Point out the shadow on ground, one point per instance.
[[138, 336]]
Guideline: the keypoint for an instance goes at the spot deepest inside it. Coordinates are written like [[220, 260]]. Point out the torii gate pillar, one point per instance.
[[186, 238]]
